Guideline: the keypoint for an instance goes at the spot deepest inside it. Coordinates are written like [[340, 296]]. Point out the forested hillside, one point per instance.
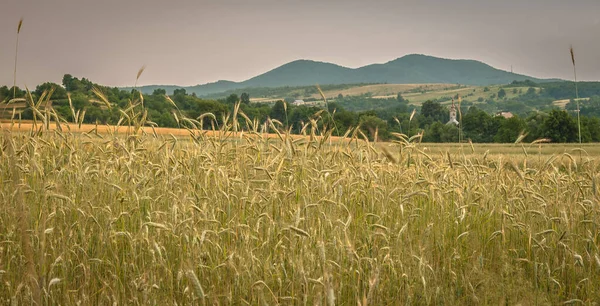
[[410, 69]]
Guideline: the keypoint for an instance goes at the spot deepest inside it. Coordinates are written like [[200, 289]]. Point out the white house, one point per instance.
[[506, 115]]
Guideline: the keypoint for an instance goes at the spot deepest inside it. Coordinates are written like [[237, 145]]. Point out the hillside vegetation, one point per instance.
[[410, 69], [420, 109]]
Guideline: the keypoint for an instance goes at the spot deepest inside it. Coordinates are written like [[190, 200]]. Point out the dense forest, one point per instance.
[[533, 112]]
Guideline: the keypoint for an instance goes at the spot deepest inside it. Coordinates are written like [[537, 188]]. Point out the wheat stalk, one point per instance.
[[326, 107], [16, 57], [139, 73], [576, 93], [459, 121], [412, 115]]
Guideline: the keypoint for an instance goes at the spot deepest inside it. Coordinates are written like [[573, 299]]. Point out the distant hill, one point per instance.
[[410, 69], [205, 89]]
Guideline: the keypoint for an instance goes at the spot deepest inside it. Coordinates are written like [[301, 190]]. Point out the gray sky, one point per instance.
[[193, 42]]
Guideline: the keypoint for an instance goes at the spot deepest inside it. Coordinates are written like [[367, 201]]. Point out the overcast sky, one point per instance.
[[195, 42]]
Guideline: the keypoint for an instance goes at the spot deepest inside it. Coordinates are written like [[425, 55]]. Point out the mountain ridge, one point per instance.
[[409, 69]]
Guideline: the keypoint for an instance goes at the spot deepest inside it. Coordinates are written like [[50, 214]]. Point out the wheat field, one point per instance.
[[96, 219]]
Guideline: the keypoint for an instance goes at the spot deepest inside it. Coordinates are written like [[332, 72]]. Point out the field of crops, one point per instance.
[[142, 220]]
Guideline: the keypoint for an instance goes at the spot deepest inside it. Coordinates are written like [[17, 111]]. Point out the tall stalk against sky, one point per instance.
[[460, 135], [576, 93], [16, 54]]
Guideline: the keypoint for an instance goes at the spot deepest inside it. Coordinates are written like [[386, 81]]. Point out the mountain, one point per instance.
[[410, 69], [303, 73], [427, 69], [219, 86]]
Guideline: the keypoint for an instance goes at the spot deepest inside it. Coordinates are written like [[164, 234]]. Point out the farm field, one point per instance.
[[383, 90], [431, 92], [470, 93], [376, 90], [158, 132], [415, 93], [143, 220], [586, 149], [563, 103], [591, 150]]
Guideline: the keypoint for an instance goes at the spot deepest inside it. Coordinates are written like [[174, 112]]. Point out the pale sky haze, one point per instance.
[[195, 42]]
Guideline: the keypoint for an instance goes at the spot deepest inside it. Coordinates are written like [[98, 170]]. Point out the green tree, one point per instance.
[[245, 98], [515, 107], [345, 120], [73, 84], [199, 107], [501, 93], [590, 129], [509, 129], [559, 126], [401, 99], [59, 92], [371, 124], [180, 92], [479, 126], [164, 119], [232, 99], [279, 111], [433, 110], [535, 126], [181, 99], [4, 94], [440, 132], [66, 81], [159, 92]]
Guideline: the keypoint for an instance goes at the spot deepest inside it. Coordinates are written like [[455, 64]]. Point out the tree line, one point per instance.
[[389, 116]]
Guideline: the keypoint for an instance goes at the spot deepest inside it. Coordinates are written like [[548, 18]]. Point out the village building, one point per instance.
[[506, 115], [299, 102]]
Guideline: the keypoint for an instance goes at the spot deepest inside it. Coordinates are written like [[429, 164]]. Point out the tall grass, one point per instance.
[[245, 219], [576, 93], [412, 115], [460, 128], [14, 98]]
